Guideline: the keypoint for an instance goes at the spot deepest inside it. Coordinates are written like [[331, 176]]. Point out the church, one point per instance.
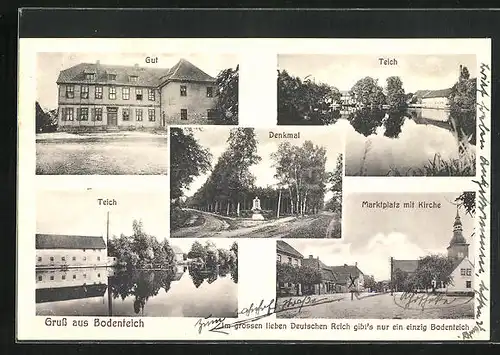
[[462, 274]]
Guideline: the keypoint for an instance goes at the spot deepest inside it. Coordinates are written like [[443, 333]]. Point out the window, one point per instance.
[[63, 258], [151, 114], [67, 114], [138, 94], [112, 76], [184, 90], [151, 94], [84, 94], [468, 284], [278, 257], [112, 93], [462, 272], [98, 92], [89, 76], [70, 91], [289, 260], [84, 250], [84, 114], [98, 258], [133, 79], [51, 258], [84, 258], [460, 254], [39, 277], [52, 277], [469, 272], [74, 258], [138, 114], [98, 114], [211, 114], [98, 275], [63, 277], [184, 114], [210, 91], [84, 276], [125, 117], [126, 93], [39, 258], [74, 277]]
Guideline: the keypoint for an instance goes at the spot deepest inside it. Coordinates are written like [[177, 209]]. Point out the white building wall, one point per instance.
[[459, 281], [71, 257]]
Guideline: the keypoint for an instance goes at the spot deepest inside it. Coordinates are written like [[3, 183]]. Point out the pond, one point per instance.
[[411, 142], [181, 291]]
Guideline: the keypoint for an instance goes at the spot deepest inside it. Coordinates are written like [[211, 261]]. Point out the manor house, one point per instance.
[[95, 96]]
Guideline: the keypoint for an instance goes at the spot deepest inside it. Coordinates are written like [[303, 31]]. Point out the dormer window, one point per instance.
[[90, 76], [133, 78], [112, 76]]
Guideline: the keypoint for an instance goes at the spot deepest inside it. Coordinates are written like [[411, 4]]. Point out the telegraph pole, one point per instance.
[[107, 230]]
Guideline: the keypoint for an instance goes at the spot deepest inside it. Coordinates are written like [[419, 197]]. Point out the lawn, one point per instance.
[[102, 156], [375, 306]]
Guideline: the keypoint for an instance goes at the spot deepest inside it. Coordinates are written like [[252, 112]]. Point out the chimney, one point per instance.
[[310, 256]]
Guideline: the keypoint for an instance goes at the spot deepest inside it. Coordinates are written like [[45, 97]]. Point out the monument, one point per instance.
[[257, 212]]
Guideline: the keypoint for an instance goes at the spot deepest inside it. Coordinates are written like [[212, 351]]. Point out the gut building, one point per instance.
[[95, 96]]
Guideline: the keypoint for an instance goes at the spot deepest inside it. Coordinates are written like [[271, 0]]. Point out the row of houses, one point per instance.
[[113, 96], [334, 279]]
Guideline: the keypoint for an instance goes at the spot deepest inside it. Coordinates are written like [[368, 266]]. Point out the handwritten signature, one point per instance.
[[423, 301], [256, 312]]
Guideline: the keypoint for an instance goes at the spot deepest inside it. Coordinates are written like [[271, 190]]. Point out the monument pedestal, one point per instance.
[[257, 214]]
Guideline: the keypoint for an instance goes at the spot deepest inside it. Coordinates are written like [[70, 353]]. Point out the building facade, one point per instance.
[[286, 254], [328, 278], [69, 251], [94, 96]]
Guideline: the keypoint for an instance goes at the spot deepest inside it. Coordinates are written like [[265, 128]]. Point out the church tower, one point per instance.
[[458, 248]]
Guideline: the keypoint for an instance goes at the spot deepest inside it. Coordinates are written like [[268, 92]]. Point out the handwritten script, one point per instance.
[[423, 301]]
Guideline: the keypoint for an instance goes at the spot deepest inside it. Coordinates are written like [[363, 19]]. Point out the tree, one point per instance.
[[211, 254], [369, 282], [467, 200], [305, 102], [367, 92], [398, 278], [433, 268], [197, 251], [187, 160], [308, 276], [43, 120], [463, 93], [396, 97], [286, 273], [227, 96]]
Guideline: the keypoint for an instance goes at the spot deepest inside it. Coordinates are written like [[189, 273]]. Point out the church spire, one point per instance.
[[458, 245]]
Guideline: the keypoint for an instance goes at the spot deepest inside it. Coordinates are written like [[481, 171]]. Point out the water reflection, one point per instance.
[[417, 142], [180, 291]]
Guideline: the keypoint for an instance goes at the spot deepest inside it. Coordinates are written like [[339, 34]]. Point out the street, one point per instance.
[[321, 225], [374, 306]]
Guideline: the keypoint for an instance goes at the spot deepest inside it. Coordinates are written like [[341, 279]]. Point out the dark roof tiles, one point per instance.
[[285, 248], [58, 241], [145, 77]]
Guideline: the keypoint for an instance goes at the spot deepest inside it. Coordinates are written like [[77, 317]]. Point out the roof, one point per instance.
[[343, 273], [458, 237], [58, 241], [146, 77], [408, 266], [326, 273], [149, 77], [177, 250], [285, 248], [186, 71], [428, 94]]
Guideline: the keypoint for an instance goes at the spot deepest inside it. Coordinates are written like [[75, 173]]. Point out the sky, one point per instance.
[[77, 212], [186, 243], [50, 64], [418, 72], [329, 137], [372, 236]]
